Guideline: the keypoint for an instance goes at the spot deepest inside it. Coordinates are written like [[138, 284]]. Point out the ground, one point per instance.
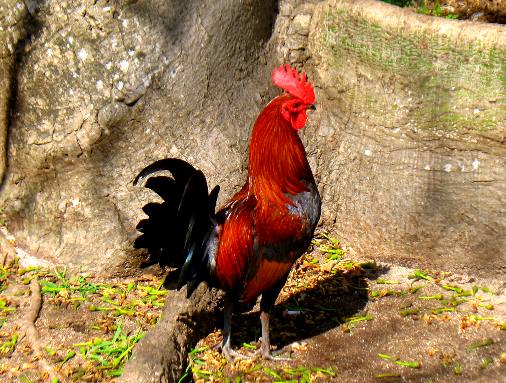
[[86, 328], [344, 319], [340, 318]]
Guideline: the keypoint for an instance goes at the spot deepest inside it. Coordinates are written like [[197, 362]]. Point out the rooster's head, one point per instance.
[[294, 109]]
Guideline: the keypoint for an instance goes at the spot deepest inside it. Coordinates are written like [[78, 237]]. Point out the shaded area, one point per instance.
[[308, 313], [28, 27], [64, 142], [415, 326]]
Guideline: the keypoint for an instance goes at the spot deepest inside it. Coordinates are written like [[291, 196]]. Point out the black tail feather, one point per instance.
[[151, 209], [213, 197], [195, 205], [163, 186], [179, 169], [177, 230]]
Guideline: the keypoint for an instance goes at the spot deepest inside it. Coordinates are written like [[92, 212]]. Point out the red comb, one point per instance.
[[289, 80]]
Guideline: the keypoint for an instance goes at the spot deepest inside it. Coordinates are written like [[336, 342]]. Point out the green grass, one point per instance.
[[5, 273], [435, 10], [25, 379], [409, 312], [399, 3], [110, 354], [331, 248], [118, 299], [63, 285], [249, 346], [418, 275], [432, 297], [399, 362], [7, 347], [479, 344], [5, 308], [485, 362], [458, 368], [351, 322], [193, 361], [410, 364]]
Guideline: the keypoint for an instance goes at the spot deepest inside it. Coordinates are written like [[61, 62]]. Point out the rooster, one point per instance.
[[248, 247]]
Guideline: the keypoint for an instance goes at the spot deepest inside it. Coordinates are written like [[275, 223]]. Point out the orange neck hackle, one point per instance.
[[277, 159]]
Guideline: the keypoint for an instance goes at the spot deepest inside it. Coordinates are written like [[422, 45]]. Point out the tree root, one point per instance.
[[161, 356], [29, 331], [7, 250]]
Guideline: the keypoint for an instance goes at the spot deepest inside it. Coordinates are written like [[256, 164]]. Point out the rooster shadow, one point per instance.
[[338, 300]]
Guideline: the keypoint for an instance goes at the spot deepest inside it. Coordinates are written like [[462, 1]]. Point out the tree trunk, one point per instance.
[[410, 151]]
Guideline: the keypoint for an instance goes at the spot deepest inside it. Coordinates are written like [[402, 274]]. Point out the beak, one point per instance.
[[312, 107]]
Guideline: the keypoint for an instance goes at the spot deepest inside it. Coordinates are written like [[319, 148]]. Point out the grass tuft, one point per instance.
[[111, 354]]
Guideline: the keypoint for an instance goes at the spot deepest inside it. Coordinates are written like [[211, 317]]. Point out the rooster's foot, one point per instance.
[[231, 354], [274, 355]]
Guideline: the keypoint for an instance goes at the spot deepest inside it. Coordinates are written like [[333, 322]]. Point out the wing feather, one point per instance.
[[235, 249]]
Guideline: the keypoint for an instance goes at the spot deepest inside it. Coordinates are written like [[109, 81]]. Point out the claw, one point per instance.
[[231, 354], [274, 355]]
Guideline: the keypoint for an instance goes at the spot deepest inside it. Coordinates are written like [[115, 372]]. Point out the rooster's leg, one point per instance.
[[265, 348], [227, 331], [268, 300], [227, 323]]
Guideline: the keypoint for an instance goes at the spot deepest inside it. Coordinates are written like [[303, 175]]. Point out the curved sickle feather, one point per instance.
[[180, 169]]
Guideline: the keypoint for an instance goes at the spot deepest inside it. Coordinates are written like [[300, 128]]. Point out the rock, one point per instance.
[[300, 24], [112, 115]]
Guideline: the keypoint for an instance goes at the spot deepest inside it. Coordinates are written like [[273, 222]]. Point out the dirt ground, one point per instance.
[[339, 319], [343, 319], [86, 327]]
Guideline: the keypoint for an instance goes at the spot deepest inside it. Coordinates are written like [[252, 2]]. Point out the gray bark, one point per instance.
[[103, 89], [411, 149]]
